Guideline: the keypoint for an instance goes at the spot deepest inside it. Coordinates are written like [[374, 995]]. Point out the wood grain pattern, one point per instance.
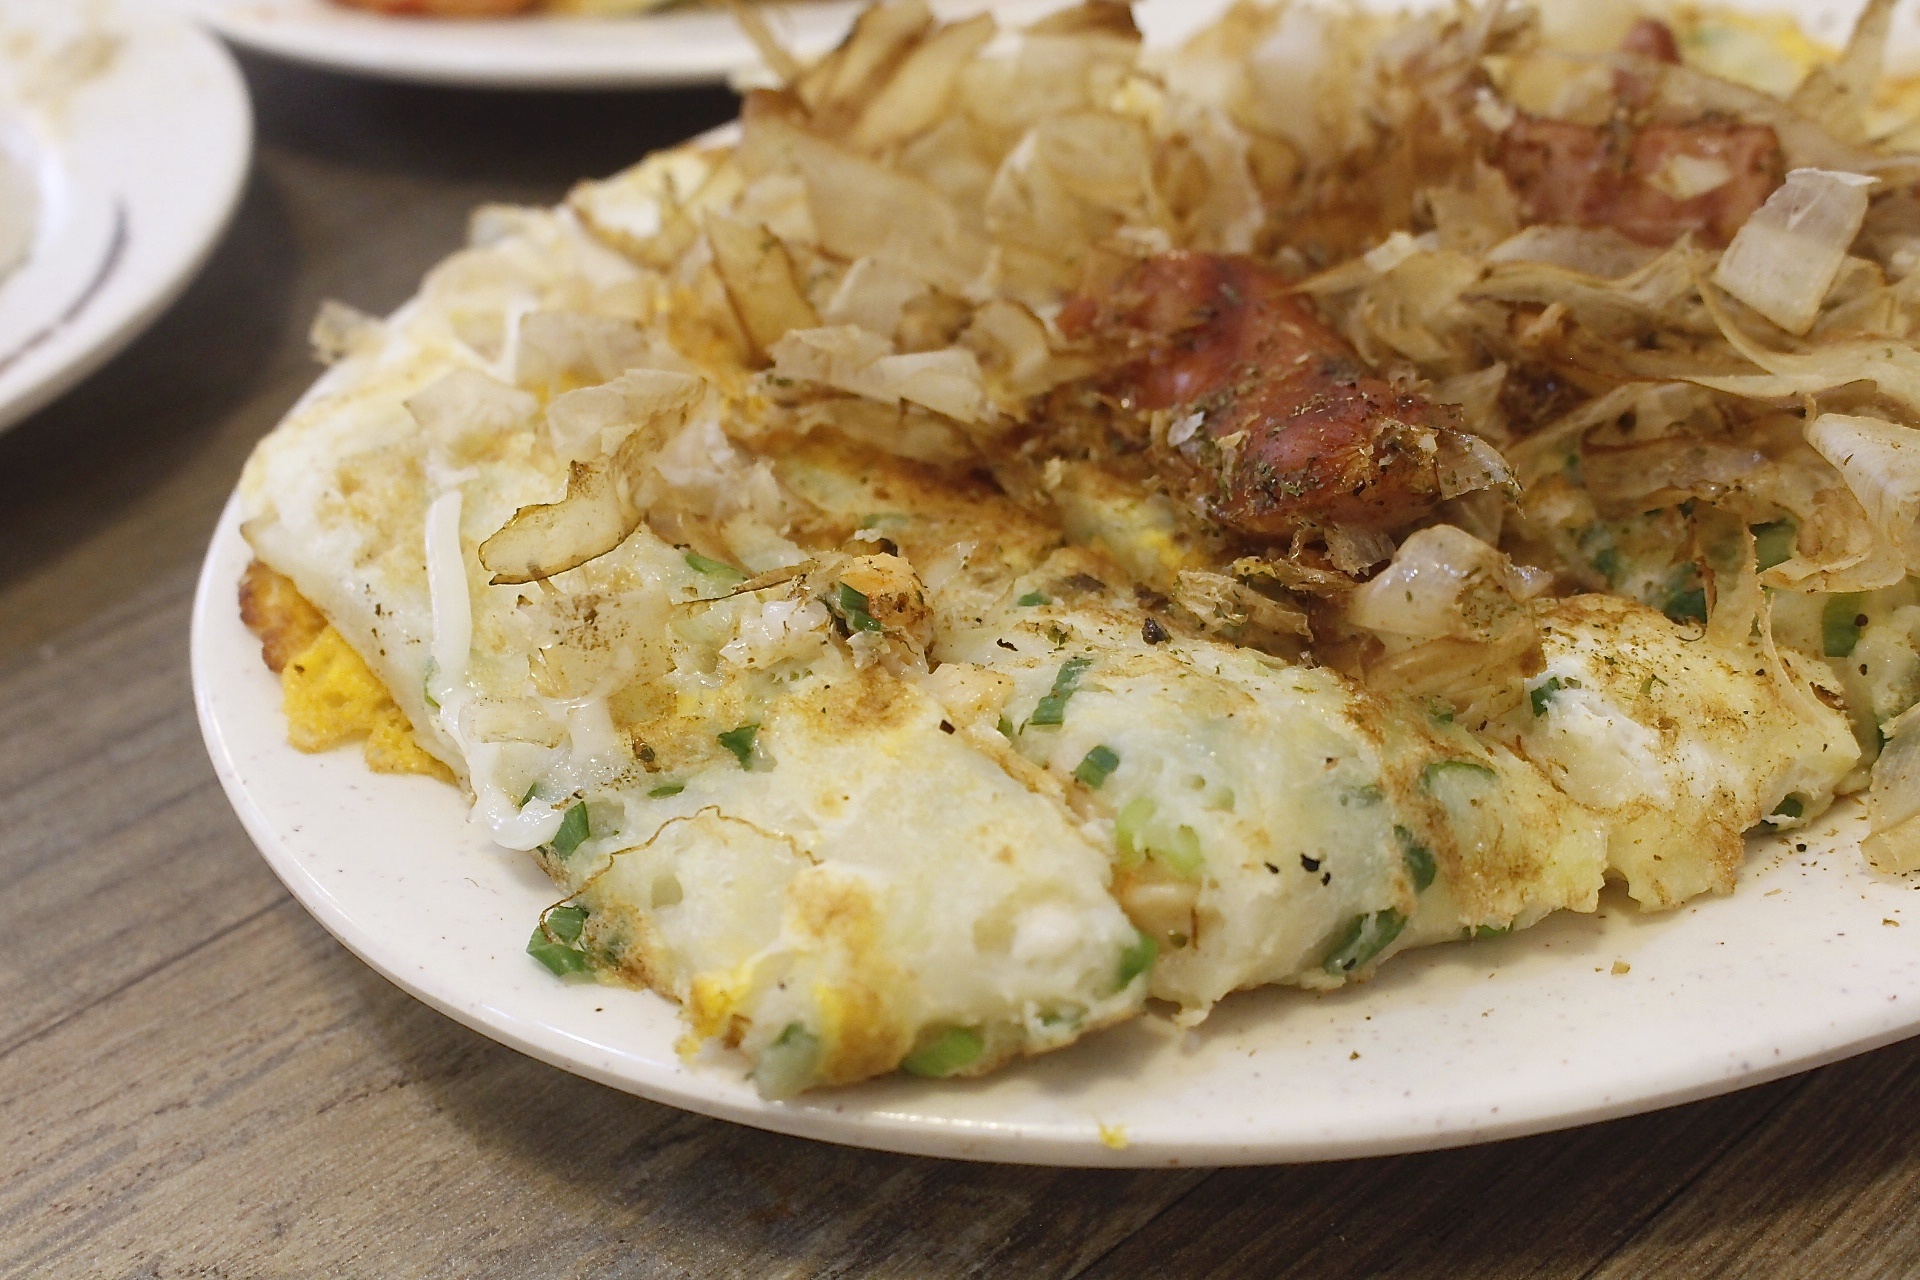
[[195, 1081]]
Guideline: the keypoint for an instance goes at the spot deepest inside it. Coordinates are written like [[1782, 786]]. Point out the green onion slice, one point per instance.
[[1542, 697], [574, 828], [787, 1065], [555, 938], [666, 789], [1033, 598], [1363, 939], [1442, 770], [1052, 709], [1840, 625], [714, 568], [854, 609], [740, 742], [1419, 859], [1137, 959], [1773, 543], [954, 1049], [1097, 765]]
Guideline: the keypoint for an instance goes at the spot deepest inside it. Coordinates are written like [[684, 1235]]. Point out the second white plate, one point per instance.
[[691, 45], [131, 132]]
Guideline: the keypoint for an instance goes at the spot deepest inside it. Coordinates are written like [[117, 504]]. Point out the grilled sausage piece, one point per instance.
[[1294, 431], [1649, 184]]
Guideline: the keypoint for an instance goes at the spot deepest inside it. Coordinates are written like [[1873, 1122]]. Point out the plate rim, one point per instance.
[[130, 314], [414, 62]]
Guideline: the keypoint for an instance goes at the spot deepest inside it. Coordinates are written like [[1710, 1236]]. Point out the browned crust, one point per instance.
[[276, 612]]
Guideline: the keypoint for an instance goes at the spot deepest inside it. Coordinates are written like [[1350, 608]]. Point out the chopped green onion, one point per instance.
[[666, 789], [786, 1066], [740, 742], [714, 568], [1419, 859], [1439, 712], [1490, 930], [527, 799], [1006, 728], [854, 609], [1607, 564], [1440, 770], [554, 941], [1773, 543], [1840, 624], [954, 1049], [427, 678], [565, 923], [1363, 939], [574, 828], [1137, 959], [1686, 597], [1128, 835], [1096, 766], [1791, 807], [1180, 855], [1033, 598], [1542, 697], [1052, 709]]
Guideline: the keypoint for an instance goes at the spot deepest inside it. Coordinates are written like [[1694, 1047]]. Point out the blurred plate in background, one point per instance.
[[124, 139], [690, 44]]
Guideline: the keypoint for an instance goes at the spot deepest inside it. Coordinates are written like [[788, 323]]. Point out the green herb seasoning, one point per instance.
[[1791, 807], [1490, 931], [666, 789], [427, 678], [954, 1049], [740, 742], [1097, 765], [574, 828], [1840, 625], [1052, 709], [1033, 598]]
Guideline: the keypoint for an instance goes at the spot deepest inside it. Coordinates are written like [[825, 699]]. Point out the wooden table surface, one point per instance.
[[195, 1080]]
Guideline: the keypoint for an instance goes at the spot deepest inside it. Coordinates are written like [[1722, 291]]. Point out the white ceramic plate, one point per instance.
[[1579, 1019], [692, 45], [131, 130]]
